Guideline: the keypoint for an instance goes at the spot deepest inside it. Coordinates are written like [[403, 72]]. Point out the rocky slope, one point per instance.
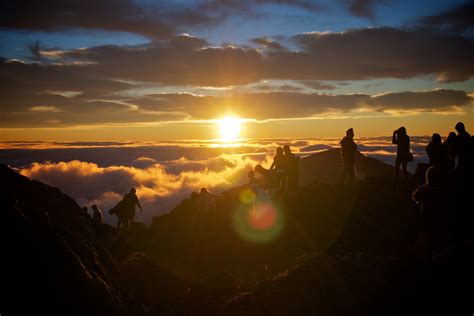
[[52, 260], [326, 249]]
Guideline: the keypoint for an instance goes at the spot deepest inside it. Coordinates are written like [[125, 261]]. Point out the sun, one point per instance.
[[229, 128]]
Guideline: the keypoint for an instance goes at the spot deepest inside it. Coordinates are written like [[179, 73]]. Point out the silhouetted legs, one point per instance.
[[348, 172], [403, 163]]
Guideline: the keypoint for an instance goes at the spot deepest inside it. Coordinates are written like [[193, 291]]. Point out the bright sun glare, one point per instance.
[[229, 128]]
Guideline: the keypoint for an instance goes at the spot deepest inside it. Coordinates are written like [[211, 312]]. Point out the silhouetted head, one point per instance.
[[94, 207], [84, 209], [287, 149], [460, 128], [402, 130], [251, 174], [279, 151], [259, 169], [132, 190], [350, 132], [434, 176], [436, 138], [203, 191], [451, 137]]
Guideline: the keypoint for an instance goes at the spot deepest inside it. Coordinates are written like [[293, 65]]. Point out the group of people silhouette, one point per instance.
[[124, 210], [444, 197], [446, 216], [282, 175]]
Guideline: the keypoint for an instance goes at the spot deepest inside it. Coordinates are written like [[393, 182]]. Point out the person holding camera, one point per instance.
[[402, 140]]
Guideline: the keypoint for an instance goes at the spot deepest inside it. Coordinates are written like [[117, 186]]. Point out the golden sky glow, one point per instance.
[[229, 128], [282, 67]]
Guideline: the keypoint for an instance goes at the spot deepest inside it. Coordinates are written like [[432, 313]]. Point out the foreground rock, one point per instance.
[[51, 260], [358, 284]]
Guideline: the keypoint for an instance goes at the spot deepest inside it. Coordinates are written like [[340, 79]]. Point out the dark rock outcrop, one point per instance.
[[51, 260]]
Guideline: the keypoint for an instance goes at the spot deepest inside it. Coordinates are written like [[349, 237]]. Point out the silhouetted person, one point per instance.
[[251, 176], [464, 183], [291, 165], [131, 201], [449, 151], [463, 147], [278, 163], [125, 209], [436, 215], [206, 202], [402, 140], [348, 153], [435, 150], [267, 176], [278, 169], [97, 215], [86, 212]]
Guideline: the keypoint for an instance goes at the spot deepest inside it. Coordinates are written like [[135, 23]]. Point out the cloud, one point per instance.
[[109, 15], [163, 183], [45, 108], [316, 85], [287, 103], [382, 52], [266, 42], [315, 148], [374, 53], [153, 19], [101, 85], [280, 105], [457, 20], [158, 190], [362, 8]]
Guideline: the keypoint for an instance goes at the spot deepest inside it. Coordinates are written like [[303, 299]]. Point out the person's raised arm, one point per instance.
[[138, 203], [273, 165]]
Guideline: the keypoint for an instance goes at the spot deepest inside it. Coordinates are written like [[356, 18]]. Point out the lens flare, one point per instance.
[[257, 222], [263, 216]]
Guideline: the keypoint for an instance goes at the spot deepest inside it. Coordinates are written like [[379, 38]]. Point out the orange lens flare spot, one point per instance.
[[263, 216], [261, 222]]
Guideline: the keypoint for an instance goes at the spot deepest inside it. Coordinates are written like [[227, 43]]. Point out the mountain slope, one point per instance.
[[51, 260], [326, 167]]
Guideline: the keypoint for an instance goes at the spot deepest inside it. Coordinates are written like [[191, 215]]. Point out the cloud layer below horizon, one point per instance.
[[100, 174]]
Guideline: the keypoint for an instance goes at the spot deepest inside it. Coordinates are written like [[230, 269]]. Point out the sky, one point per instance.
[[145, 70]]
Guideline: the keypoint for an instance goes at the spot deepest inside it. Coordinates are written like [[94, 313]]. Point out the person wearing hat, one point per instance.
[[348, 153]]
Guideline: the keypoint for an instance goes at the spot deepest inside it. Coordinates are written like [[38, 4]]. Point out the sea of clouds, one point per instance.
[[164, 173]]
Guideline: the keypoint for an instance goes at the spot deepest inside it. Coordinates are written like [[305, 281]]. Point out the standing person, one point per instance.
[[131, 201], [348, 153], [463, 147], [402, 140], [278, 169], [464, 183], [206, 202], [434, 150], [291, 163], [97, 217], [86, 212], [449, 151]]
